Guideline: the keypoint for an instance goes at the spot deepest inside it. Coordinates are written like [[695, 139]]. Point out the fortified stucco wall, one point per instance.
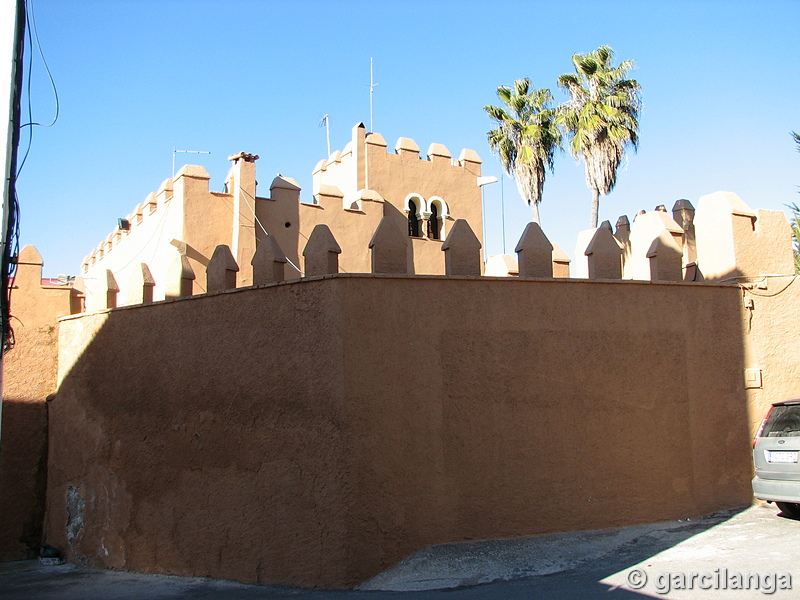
[[29, 376], [316, 432]]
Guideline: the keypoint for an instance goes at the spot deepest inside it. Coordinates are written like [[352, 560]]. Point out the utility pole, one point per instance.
[[12, 45], [503, 209]]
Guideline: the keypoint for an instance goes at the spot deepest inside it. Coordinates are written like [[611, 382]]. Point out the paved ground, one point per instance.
[[717, 549]]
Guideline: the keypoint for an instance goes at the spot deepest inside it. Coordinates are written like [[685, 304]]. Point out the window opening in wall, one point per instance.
[[413, 222], [433, 223]]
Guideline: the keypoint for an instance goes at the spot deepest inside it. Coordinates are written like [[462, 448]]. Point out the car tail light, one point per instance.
[[761, 428]]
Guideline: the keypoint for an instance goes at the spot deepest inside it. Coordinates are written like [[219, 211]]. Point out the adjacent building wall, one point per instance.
[[770, 308], [29, 376], [317, 431]]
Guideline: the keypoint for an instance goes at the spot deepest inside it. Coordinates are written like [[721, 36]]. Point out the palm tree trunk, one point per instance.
[[535, 212], [595, 206]]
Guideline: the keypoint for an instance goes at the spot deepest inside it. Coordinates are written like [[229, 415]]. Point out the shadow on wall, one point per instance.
[[402, 223], [23, 477], [209, 471], [316, 432]]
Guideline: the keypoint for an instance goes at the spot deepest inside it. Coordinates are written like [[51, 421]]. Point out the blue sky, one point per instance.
[[138, 78]]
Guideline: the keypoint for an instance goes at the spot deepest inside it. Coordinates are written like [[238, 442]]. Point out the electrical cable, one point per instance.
[[30, 105], [158, 229], [252, 210], [32, 20], [31, 33], [8, 262], [750, 290]]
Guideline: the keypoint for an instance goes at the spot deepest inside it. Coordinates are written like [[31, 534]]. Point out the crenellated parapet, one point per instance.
[[720, 240], [145, 216], [176, 228], [182, 220], [723, 240], [727, 240], [349, 168], [443, 188], [369, 193]]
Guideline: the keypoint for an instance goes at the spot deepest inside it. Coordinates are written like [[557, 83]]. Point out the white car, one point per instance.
[[776, 449]]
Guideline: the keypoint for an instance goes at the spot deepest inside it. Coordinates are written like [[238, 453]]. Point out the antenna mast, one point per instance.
[[372, 85], [174, 152], [326, 120]]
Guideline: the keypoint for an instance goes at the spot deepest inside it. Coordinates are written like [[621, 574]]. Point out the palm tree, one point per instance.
[[526, 138], [601, 117]]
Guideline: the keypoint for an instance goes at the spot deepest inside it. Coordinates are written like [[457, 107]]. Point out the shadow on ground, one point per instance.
[[566, 566]]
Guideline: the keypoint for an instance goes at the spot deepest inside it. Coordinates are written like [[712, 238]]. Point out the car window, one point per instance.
[[784, 421]]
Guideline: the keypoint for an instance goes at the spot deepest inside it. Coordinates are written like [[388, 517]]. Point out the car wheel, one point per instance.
[[790, 509]]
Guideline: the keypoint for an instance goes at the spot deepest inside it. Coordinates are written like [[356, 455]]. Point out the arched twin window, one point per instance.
[[426, 218], [433, 223], [413, 219]]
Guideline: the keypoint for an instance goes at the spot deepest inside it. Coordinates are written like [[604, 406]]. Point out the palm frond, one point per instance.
[[601, 117], [521, 86], [795, 223], [527, 135], [504, 93], [496, 113]]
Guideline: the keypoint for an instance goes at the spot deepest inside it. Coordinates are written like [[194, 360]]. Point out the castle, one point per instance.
[[178, 227], [255, 388]]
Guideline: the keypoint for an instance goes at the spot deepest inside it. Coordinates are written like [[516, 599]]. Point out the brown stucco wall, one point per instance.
[[316, 432], [29, 376], [525, 407]]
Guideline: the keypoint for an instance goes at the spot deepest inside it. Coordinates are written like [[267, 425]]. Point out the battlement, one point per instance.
[[146, 215], [723, 240], [436, 154], [176, 229], [181, 218], [354, 188], [364, 160]]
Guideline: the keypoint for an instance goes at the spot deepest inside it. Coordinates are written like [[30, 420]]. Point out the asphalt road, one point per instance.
[[720, 551]]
